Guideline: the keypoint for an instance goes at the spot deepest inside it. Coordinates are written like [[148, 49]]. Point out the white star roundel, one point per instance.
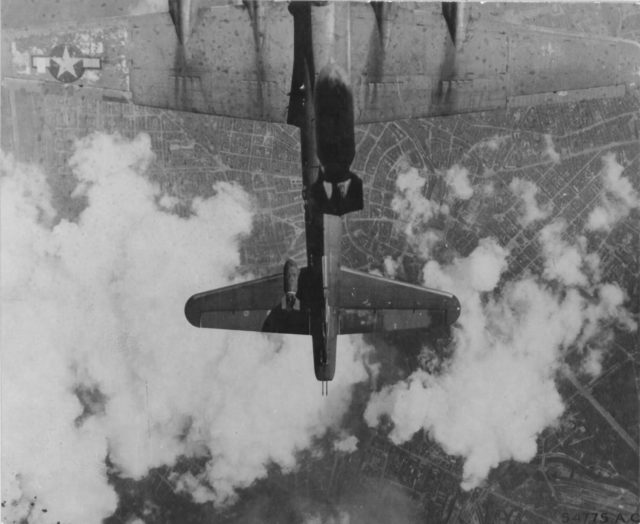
[[66, 63]]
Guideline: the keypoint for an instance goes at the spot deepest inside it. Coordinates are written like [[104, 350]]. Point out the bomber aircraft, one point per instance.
[[323, 299], [323, 67]]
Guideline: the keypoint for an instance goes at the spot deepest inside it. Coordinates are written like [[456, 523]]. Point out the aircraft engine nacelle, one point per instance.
[[290, 274]]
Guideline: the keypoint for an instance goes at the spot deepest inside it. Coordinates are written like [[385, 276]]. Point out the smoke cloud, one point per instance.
[[497, 393], [550, 149], [618, 199], [457, 178], [98, 359], [409, 202], [526, 192], [415, 211], [565, 262]]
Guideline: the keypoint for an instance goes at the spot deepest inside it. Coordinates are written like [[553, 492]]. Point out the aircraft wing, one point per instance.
[[249, 306], [236, 58], [236, 61], [206, 56], [403, 62], [369, 303]]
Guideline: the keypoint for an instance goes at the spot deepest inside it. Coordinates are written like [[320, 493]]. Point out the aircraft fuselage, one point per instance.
[[323, 235], [327, 150], [323, 299]]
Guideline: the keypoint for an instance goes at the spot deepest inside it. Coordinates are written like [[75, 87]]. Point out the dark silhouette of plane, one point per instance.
[[323, 299]]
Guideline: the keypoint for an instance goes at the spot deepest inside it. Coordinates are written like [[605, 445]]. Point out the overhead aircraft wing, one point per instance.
[[369, 303], [403, 62], [236, 58], [208, 56], [249, 306]]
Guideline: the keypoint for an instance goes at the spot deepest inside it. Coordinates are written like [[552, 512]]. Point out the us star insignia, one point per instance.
[[65, 63]]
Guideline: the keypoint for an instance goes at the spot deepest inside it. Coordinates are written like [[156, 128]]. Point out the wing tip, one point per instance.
[[453, 310], [192, 312]]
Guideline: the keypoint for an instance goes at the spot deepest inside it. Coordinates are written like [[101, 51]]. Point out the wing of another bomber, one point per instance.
[[230, 60], [208, 56], [403, 61], [236, 58], [369, 303], [251, 306]]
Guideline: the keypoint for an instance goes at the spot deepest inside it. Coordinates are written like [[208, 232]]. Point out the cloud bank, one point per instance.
[[415, 211], [98, 359], [527, 192], [457, 178], [497, 393], [567, 262], [618, 199]]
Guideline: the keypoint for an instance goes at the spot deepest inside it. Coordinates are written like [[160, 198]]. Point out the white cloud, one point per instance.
[[495, 142], [414, 210], [409, 202], [478, 272], [497, 393], [618, 199], [390, 267], [527, 191], [347, 444], [550, 149], [592, 363], [563, 261], [601, 219], [97, 304], [457, 178]]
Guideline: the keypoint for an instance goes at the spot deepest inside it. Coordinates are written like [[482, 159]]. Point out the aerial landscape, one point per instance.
[[114, 213]]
